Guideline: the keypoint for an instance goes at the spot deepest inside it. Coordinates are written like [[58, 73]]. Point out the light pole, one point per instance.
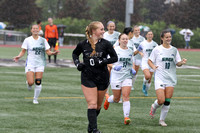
[[129, 11]]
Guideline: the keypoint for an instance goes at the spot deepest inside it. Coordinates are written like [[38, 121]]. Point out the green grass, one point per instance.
[[9, 53], [68, 115]]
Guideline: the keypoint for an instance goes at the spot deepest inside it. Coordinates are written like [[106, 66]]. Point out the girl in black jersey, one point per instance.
[[94, 72]]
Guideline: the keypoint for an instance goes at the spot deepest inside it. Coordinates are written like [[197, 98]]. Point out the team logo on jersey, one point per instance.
[[130, 55], [40, 43], [172, 55], [117, 86], [161, 85]]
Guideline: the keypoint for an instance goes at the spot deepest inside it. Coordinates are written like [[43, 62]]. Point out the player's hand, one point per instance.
[[184, 61], [133, 71], [80, 66], [16, 58], [56, 52], [117, 68]]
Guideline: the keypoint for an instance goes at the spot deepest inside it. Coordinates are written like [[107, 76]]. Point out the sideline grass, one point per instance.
[[19, 115]]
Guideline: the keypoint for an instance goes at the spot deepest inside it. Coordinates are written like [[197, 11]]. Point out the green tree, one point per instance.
[[75, 9], [20, 13]]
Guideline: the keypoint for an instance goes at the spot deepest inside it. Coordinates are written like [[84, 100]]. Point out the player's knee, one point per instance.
[[167, 102], [30, 83], [38, 81], [147, 77], [161, 101]]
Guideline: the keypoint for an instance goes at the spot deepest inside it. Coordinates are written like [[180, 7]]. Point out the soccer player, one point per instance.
[[163, 60], [94, 72], [137, 39], [36, 48], [146, 48], [111, 35], [51, 34], [121, 77]]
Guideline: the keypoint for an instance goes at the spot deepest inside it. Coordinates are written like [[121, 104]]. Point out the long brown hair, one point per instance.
[[88, 31]]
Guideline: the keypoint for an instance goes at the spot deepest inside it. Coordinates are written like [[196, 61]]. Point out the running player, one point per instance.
[[121, 77], [147, 46], [137, 39], [94, 72], [51, 34], [111, 35], [36, 48], [163, 60]]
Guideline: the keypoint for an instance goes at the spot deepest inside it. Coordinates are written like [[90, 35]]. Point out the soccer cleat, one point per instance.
[[96, 131], [152, 112], [28, 86], [127, 120], [35, 101], [106, 103], [144, 90], [162, 123]]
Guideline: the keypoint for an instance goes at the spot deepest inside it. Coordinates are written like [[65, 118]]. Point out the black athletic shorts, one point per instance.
[[52, 42], [89, 82]]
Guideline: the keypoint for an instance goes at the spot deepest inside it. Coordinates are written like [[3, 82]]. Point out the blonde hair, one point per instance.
[[88, 31]]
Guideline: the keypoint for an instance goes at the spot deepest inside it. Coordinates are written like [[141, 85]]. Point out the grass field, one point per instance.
[[63, 109]]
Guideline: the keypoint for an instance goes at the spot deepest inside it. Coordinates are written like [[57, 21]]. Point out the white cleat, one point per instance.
[[35, 101], [162, 123]]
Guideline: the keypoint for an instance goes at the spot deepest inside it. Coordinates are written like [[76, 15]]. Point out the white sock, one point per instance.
[[37, 91], [134, 79], [164, 112], [145, 81], [126, 108], [155, 104], [110, 99], [148, 86]]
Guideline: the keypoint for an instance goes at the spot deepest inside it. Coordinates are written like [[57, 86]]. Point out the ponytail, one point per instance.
[[88, 32]]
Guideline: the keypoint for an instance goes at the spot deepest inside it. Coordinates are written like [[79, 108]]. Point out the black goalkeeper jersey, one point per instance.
[[95, 66]]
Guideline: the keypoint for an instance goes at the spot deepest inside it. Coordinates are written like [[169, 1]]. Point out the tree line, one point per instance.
[[21, 13]]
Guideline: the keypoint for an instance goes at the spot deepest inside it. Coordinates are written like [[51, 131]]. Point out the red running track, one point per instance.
[[72, 47]]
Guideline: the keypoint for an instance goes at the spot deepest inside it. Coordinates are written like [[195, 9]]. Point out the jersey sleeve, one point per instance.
[[113, 55], [116, 43], [46, 44], [153, 55], [75, 54], [178, 57], [25, 44]]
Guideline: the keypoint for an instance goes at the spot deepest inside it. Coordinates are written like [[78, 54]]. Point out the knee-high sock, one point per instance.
[[92, 118], [148, 86], [164, 111], [110, 99], [49, 57], [155, 106], [98, 111], [126, 108], [37, 91], [55, 56]]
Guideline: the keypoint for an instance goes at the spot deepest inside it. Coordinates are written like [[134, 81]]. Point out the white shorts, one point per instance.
[[118, 85], [145, 65], [34, 69], [160, 85], [138, 62]]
